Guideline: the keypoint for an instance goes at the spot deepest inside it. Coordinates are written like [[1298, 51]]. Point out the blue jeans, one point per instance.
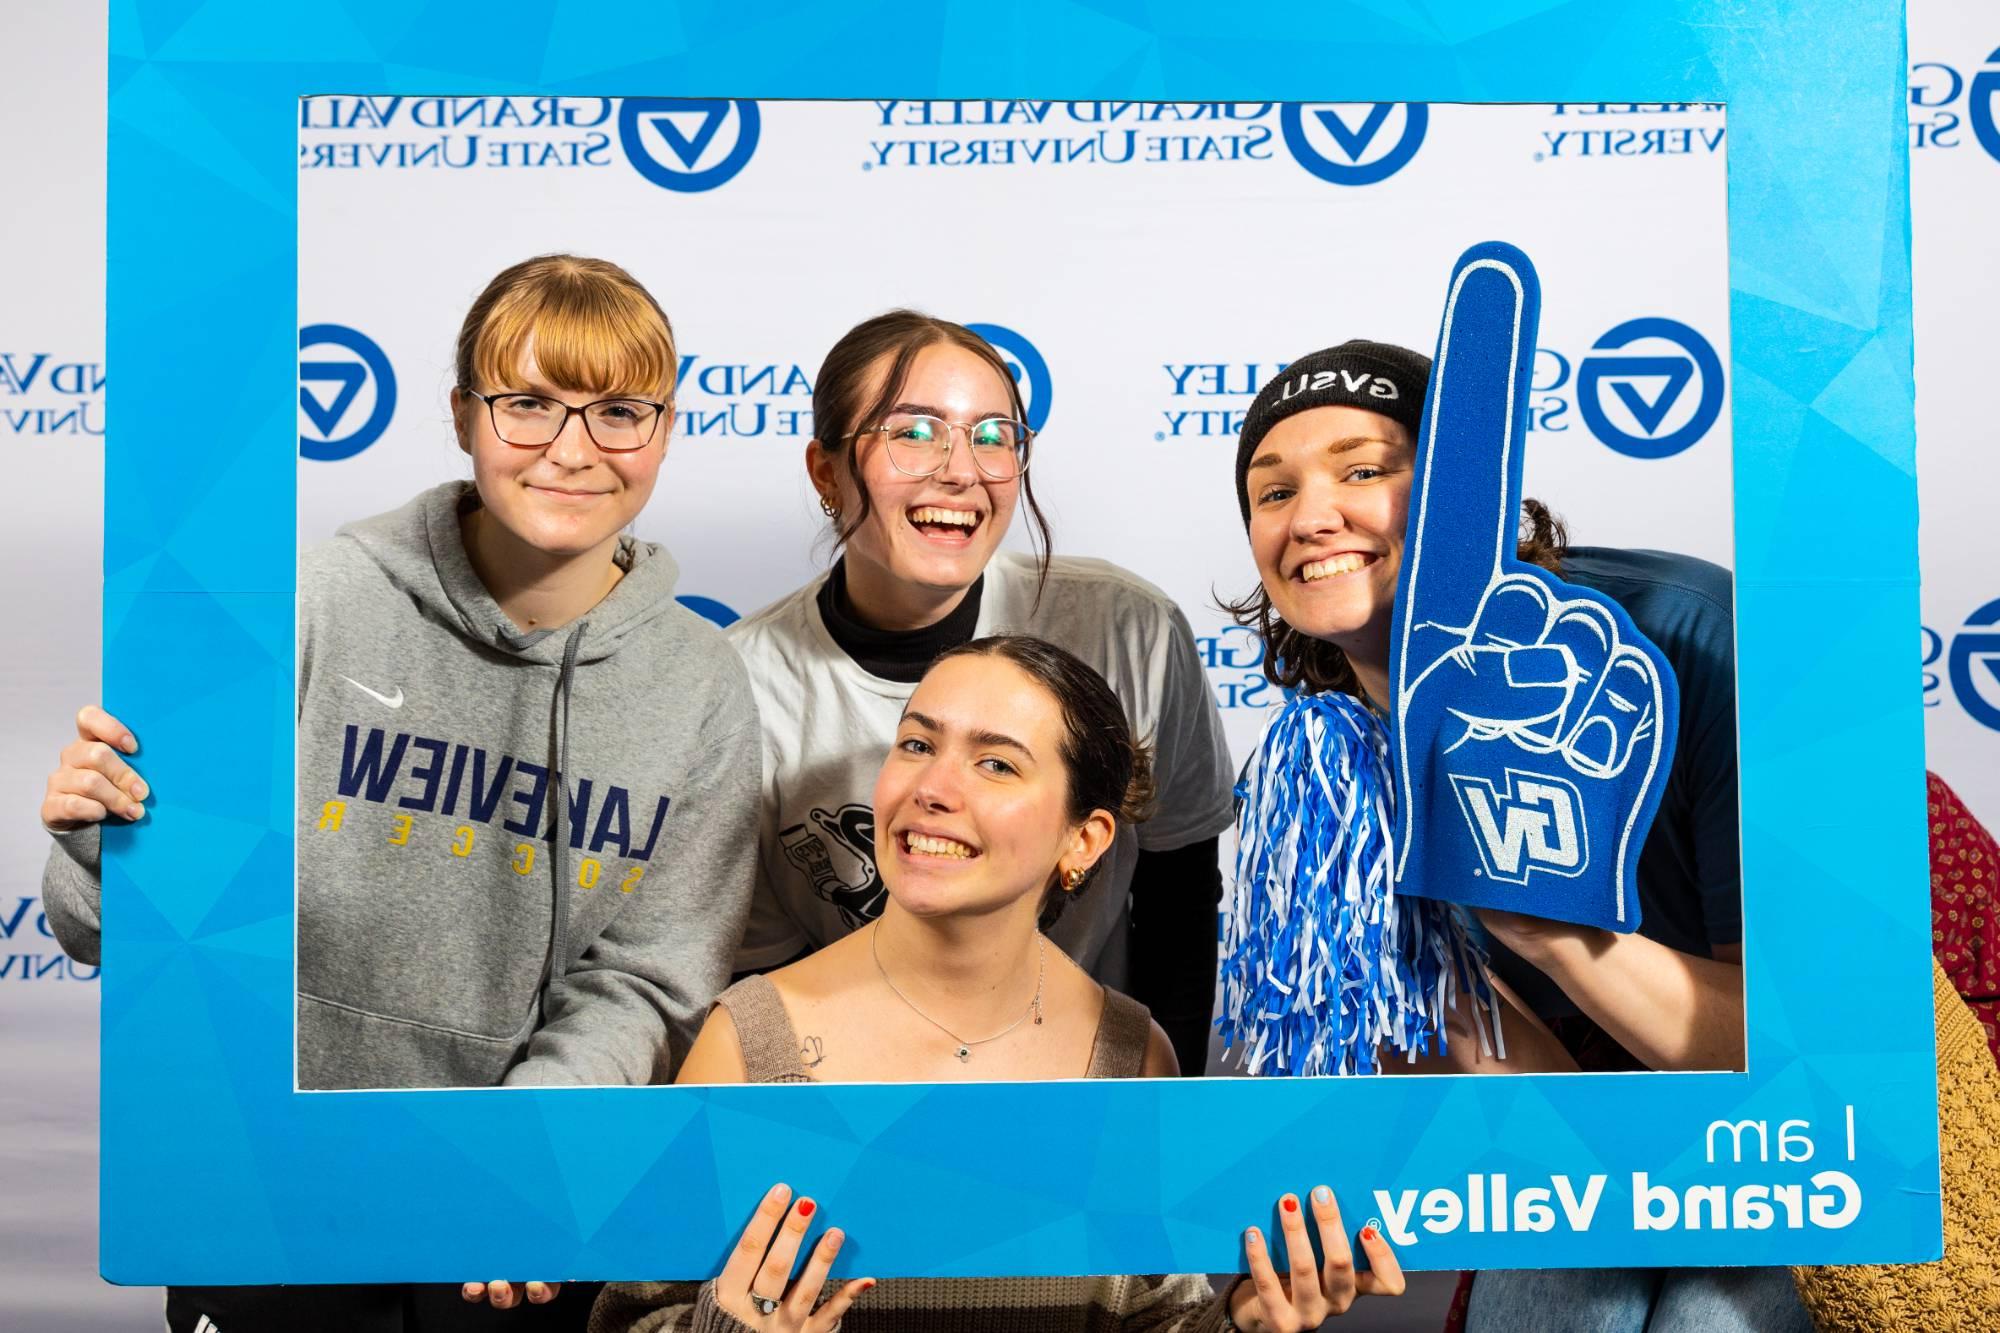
[[1637, 1300]]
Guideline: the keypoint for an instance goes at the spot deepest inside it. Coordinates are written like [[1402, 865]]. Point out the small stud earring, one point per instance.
[[1073, 879]]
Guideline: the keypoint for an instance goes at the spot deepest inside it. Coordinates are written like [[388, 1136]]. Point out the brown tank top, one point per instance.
[[772, 1052]]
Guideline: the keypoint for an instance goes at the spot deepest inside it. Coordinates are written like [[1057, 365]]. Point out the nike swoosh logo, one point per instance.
[[378, 697]]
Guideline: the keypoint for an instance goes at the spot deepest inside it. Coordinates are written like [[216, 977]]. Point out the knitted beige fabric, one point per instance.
[[1961, 1292], [771, 1054], [1181, 1304]]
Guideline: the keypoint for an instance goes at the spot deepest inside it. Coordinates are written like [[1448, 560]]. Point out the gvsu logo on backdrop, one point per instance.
[[678, 143], [1649, 388], [1208, 398], [347, 392], [1344, 143], [28, 925], [1970, 663], [452, 133], [743, 398], [1234, 659], [1945, 101], [1354, 144], [750, 398], [996, 133], [41, 394], [1635, 129], [1027, 367], [1530, 826], [687, 143]]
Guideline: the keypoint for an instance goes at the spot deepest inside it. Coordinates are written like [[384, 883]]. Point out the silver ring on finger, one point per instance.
[[765, 1305]]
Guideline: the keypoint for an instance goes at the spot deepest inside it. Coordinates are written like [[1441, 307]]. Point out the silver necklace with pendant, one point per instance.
[[964, 1047]]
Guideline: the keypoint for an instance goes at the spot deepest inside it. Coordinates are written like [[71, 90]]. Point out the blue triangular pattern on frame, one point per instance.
[[196, 1090]]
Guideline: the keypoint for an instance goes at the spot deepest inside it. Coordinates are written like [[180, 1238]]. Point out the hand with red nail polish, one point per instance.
[[756, 1285], [1305, 1295]]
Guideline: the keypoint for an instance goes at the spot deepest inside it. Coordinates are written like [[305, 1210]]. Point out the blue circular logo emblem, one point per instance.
[[1025, 364], [1344, 143], [1976, 657], [688, 144], [331, 391], [1983, 106], [709, 609], [1667, 376]]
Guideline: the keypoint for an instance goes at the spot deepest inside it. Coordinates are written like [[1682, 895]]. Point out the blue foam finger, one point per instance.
[[1506, 799]]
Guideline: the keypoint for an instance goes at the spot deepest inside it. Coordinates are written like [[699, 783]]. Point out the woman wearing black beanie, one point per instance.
[[1324, 468]]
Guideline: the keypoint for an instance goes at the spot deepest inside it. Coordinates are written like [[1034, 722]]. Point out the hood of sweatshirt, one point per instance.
[[421, 550]]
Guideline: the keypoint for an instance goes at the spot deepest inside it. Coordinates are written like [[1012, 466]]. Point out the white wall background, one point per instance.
[[1113, 271]]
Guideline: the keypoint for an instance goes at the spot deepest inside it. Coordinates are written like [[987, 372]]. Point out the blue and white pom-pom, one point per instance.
[[1324, 965]]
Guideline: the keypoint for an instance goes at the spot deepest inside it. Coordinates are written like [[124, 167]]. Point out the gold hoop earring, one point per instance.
[[828, 507], [1073, 879]]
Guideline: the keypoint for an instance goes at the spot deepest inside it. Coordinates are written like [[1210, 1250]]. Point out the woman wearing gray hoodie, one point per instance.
[[528, 778]]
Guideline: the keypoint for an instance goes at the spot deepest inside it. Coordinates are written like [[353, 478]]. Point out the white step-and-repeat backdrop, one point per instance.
[[1144, 268]]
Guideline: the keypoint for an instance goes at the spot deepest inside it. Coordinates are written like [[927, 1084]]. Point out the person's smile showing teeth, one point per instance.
[[942, 522], [918, 843], [1347, 562]]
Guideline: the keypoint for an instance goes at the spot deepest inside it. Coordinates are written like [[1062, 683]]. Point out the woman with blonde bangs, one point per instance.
[[527, 776]]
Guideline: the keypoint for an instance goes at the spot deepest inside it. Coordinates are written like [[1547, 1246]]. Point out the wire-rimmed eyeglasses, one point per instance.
[[920, 445]]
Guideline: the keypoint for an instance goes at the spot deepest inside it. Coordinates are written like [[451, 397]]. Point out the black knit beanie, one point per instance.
[[1376, 377]]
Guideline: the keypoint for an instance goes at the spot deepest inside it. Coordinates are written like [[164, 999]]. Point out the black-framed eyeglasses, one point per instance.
[[534, 421], [920, 445]]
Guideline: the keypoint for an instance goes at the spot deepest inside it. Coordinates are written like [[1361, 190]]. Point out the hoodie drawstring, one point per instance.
[[559, 853]]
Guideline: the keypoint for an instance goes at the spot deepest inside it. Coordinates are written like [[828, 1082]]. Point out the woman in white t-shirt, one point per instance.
[[920, 462]]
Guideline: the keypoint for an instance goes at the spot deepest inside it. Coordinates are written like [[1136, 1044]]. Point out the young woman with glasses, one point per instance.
[[921, 458], [526, 775], [1012, 769]]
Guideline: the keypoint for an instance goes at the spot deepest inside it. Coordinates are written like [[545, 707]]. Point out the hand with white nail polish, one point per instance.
[[756, 1285], [1308, 1293], [92, 782], [507, 1295]]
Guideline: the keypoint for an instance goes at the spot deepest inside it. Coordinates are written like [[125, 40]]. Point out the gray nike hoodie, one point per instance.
[[474, 801]]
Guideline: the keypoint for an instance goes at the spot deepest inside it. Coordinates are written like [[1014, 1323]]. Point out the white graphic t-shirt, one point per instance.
[[828, 724]]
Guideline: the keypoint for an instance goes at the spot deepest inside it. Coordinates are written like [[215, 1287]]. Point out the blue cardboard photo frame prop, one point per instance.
[[215, 1171], [1533, 724]]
